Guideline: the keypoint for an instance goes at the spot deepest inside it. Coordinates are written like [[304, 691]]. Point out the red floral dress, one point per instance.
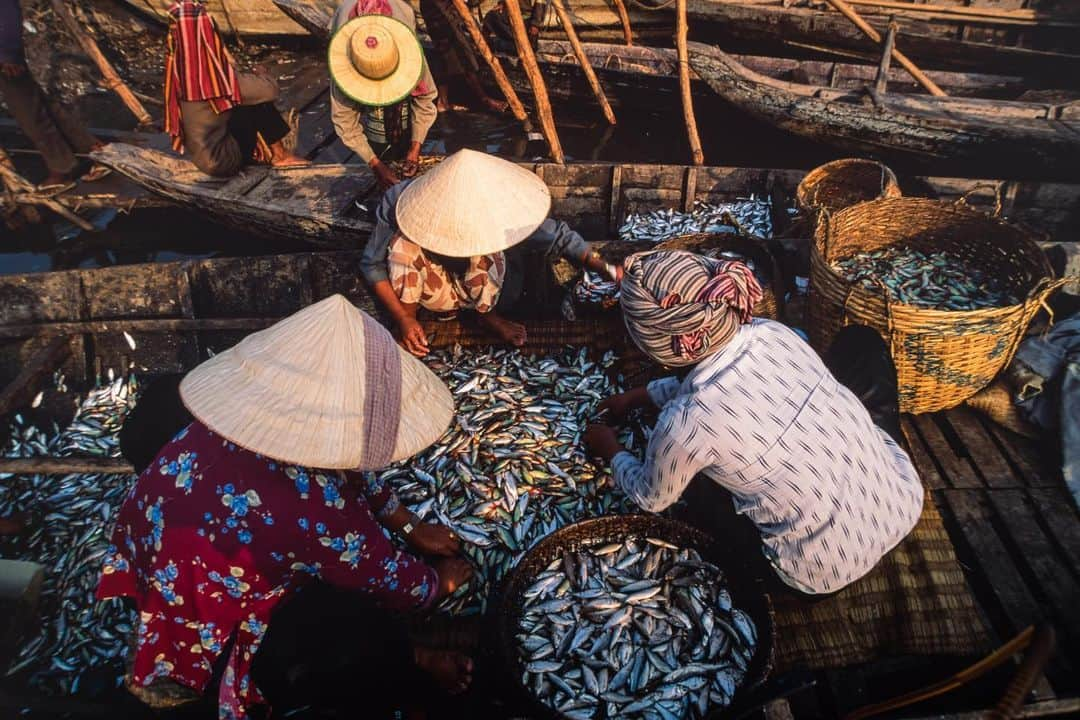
[[213, 537]]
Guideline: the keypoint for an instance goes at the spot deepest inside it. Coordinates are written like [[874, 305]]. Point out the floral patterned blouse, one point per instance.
[[212, 537]]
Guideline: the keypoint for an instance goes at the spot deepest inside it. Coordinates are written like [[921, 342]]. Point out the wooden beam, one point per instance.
[[22, 389], [583, 60], [536, 80], [881, 82], [493, 62], [108, 72], [65, 466], [681, 28], [849, 12], [151, 325]]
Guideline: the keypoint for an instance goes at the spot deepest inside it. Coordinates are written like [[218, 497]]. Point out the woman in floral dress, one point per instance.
[[248, 513]]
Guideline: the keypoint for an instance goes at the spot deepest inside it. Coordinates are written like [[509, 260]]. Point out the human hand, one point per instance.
[[600, 441], [615, 408], [410, 164], [434, 539], [384, 174], [453, 573], [12, 70], [413, 337]]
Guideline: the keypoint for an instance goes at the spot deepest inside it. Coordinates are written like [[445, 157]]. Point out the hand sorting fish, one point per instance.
[[938, 280], [636, 629], [511, 469]]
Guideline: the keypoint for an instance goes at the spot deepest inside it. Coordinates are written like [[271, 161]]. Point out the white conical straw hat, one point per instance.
[[326, 387], [472, 204], [376, 60]]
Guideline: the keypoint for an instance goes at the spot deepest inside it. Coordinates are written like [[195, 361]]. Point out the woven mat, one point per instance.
[[916, 602]]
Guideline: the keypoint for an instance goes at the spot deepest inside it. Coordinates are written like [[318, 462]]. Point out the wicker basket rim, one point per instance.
[[815, 176]]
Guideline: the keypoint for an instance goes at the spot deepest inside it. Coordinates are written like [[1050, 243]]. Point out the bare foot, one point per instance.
[[442, 105], [451, 670], [509, 332], [496, 106]]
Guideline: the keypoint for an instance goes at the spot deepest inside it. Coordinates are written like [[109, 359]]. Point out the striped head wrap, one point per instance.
[[680, 307]]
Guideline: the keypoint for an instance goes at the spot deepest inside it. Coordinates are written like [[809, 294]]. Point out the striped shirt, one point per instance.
[[830, 492]]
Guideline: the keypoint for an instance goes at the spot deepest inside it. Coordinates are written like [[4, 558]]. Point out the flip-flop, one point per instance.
[[96, 173]]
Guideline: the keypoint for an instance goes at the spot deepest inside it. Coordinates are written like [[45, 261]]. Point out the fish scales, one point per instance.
[[633, 668], [74, 514], [515, 441], [934, 280]]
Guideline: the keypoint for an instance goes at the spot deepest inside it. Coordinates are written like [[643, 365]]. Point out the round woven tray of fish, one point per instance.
[[633, 616]]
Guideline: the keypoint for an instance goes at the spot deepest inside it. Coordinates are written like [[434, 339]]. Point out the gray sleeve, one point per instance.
[[560, 241], [424, 112], [670, 464], [348, 119], [373, 261]]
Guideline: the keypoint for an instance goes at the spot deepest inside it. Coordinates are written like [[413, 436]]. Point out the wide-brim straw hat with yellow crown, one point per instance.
[[472, 204], [326, 387], [376, 60]]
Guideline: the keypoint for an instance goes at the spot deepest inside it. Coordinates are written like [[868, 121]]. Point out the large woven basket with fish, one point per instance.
[[752, 250], [633, 616], [842, 183], [952, 291]]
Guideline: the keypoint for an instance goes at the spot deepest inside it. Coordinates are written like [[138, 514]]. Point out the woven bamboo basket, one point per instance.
[[842, 183], [942, 357], [711, 244]]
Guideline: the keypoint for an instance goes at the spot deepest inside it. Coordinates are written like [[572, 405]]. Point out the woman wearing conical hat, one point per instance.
[[253, 547], [811, 476], [440, 242], [382, 95]]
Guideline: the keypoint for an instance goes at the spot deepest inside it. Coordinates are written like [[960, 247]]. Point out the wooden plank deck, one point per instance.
[[1015, 527]]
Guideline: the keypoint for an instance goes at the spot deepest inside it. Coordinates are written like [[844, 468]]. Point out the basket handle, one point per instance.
[[999, 202], [887, 297]]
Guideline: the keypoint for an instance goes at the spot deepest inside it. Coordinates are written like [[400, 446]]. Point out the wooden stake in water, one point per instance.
[[681, 28], [583, 60], [532, 71]]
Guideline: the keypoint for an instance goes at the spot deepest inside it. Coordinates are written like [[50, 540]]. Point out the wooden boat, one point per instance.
[[319, 203], [647, 77], [240, 17], [995, 136], [769, 27]]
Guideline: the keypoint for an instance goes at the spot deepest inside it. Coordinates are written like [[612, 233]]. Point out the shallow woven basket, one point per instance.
[[711, 244], [842, 183], [942, 357]]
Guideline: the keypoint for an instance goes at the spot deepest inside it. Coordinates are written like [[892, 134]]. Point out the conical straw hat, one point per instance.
[[472, 204], [376, 60], [326, 387]]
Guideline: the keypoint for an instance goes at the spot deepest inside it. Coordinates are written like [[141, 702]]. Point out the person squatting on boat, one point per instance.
[[382, 97], [222, 119], [457, 63], [252, 545], [53, 130], [453, 239], [828, 491]]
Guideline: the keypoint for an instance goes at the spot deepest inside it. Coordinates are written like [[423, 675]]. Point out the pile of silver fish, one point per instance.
[[511, 469], [69, 536], [938, 280], [749, 216], [634, 629]]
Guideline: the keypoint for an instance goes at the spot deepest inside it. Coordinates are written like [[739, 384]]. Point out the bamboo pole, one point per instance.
[[881, 82], [532, 71], [112, 79], [23, 192], [583, 60], [493, 62], [684, 83], [624, 19], [849, 12]]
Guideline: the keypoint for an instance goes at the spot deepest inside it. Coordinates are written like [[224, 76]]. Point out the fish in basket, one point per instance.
[[633, 616]]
